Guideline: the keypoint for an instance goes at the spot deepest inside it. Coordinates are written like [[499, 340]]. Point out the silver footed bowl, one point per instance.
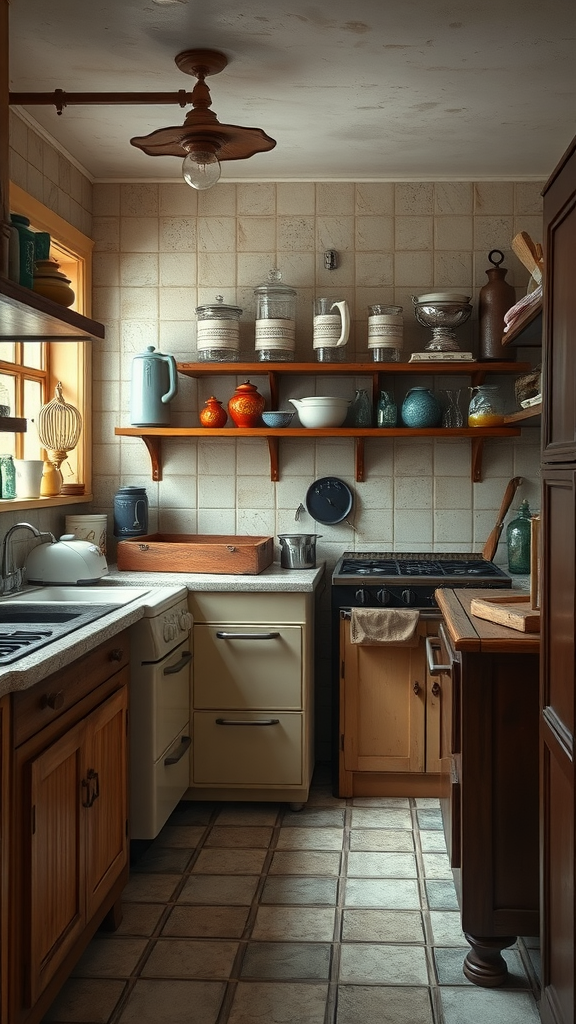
[[443, 318]]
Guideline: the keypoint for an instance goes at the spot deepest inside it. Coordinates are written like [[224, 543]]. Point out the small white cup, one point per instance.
[[28, 477]]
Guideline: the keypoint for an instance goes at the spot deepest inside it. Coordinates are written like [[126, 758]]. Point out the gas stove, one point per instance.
[[397, 579]]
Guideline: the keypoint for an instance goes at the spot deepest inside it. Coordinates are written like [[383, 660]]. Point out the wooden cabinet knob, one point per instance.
[[435, 689], [116, 654], [52, 700], [416, 688]]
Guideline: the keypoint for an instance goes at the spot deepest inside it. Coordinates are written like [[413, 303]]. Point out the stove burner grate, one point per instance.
[[387, 565]]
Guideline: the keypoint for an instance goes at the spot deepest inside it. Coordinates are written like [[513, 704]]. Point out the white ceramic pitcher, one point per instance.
[[331, 328]]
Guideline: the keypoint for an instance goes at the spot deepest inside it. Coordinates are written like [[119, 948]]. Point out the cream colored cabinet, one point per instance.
[[252, 696], [389, 743]]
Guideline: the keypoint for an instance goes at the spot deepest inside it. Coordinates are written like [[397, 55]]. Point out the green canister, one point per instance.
[[518, 535]]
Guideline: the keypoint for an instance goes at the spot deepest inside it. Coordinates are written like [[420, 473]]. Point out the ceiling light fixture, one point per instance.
[[202, 140]]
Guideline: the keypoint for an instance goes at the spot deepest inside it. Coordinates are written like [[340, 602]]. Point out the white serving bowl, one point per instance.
[[445, 296], [321, 411]]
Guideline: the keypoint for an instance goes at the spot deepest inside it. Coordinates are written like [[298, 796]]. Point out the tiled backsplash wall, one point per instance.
[[163, 249]]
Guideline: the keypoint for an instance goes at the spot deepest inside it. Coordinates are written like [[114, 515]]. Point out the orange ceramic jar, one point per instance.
[[246, 405], [213, 415]]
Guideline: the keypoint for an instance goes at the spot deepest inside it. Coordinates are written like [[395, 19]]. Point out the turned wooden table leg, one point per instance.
[[484, 964]]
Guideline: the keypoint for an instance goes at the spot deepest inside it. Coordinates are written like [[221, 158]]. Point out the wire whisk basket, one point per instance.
[[59, 427]]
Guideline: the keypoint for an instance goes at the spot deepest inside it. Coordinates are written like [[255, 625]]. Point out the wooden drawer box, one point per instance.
[[235, 669], [230, 750], [203, 553]]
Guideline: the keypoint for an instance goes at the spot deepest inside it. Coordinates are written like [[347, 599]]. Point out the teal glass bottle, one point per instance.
[[518, 535], [360, 412]]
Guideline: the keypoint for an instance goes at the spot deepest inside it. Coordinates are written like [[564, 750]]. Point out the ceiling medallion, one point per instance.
[[202, 140]]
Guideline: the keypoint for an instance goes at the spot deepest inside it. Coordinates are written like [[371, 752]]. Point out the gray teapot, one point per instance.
[[154, 382]]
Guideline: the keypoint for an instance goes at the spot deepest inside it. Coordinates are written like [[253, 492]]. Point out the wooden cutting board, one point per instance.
[[515, 612]]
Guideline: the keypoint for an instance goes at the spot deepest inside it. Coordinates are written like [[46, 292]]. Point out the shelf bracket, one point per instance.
[[273, 452], [153, 445], [359, 459], [476, 467]]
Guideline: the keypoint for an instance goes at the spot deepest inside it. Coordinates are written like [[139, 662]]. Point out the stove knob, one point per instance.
[[362, 596], [383, 596], [169, 631], [409, 597], [184, 621]]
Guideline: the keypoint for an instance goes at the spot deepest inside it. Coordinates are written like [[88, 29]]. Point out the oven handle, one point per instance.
[[185, 742], [259, 721], [431, 616], [221, 635], [174, 669], [434, 667]]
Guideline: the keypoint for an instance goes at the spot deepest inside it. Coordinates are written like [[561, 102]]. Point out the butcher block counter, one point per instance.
[[488, 676]]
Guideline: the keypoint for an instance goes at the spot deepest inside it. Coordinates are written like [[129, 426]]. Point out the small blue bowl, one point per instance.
[[277, 419]]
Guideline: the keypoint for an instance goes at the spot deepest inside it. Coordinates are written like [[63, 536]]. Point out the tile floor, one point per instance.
[[343, 913]]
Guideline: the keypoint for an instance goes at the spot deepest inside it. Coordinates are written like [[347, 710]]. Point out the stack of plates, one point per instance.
[[445, 296]]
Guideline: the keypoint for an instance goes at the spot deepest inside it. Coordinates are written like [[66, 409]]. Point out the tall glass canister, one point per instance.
[[218, 332], [275, 328], [385, 332]]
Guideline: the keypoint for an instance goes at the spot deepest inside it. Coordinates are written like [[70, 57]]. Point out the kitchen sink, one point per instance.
[[37, 613], [107, 594], [26, 627]]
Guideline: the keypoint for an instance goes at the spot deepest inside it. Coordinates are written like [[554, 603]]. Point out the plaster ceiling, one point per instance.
[[371, 90]]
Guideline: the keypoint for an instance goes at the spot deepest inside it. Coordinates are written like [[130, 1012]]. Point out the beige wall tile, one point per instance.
[[453, 197], [177, 234], [494, 197], [139, 269], [295, 234], [453, 233], [256, 199], [178, 268], [335, 233], [216, 234], [177, 200], [106, 200], [295, 198], [493, 232], [256, 234], [374, 234], [217, 202], [217, 270], [374, 198], [137, 200], [414, 233], [413, 269], [176, 303], [139, 234], [414, 197], [528, 198], [374, 269], [333, 198], [138, 303]]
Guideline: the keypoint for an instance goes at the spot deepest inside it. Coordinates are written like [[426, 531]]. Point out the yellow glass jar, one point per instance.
[[485, 409]]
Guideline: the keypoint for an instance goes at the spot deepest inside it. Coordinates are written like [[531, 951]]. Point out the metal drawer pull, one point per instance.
[[434, 668], [247, 636], [261, 721], [185, 742], [92, 791], [174, 669]]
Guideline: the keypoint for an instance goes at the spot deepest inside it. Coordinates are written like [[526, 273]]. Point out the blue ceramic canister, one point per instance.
[[421, 409], [130, 512]]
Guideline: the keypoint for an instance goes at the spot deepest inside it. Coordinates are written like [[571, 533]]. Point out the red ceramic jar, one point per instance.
[[213, 415], [246, 405]]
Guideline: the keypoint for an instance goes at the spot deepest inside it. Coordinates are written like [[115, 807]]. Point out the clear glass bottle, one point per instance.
[[385, 332], [360, 412], [518, 536], [7, 477], [485, 409], [218, 332], [275, 327], [386, 410], [452, 415]]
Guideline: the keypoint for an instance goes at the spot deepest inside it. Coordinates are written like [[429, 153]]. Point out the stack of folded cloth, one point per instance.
[[516, 312]]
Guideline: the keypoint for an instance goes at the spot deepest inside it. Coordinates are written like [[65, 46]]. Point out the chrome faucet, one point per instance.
[[11, 578]]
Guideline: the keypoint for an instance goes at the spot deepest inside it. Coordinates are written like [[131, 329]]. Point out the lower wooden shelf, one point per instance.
[[152, 438]]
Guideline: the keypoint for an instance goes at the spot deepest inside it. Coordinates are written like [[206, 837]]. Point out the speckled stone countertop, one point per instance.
[[34, 667]]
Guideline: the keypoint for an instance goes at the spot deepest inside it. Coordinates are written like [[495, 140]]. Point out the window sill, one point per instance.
[[16, 504]]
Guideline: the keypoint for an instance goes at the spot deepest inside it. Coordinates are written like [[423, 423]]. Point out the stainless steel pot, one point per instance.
[[298, 550]]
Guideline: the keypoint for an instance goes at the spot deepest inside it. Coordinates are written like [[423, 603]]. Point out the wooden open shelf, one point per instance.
[[152, 438], [527, 331], [525, 416], [27, 316]]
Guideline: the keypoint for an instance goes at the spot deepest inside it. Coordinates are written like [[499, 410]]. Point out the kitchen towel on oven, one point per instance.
[[384, 626]]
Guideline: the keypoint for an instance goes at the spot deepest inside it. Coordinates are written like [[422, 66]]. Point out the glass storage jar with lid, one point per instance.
[[218, 332], [385, 332], [275, 329], [485, 409]]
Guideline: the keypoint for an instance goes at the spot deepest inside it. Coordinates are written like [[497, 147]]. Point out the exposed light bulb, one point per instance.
[[200, 169]]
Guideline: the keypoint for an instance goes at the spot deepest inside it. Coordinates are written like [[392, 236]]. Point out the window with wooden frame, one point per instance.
[[30, 370]]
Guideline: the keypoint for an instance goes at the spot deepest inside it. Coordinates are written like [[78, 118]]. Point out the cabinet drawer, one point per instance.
[[47, 700], [233, 749], [243, 666], [221, 606]]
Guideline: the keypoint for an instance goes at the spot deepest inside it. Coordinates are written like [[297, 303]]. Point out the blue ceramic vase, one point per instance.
[[421, 408], [130, 512]]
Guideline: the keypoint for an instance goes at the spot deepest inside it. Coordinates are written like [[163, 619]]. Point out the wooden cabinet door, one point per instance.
[[558, 731], [57, 910], [104, 772], [383, 706]]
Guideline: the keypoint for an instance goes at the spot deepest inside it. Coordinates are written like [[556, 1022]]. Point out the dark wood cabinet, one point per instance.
[[558, 532], [490, 712], [67, 854]]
